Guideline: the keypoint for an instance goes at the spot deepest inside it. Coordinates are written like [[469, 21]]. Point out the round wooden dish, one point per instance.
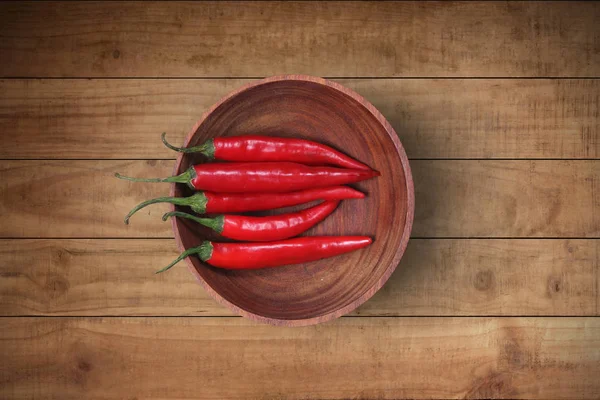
[[317, 109]]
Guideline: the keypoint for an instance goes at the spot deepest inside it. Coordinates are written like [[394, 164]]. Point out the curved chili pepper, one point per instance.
[[209, 202], [261, 177], [263, 229], [267, 148], [272, 254]]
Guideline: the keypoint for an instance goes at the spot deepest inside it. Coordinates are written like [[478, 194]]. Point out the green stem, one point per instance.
[[204, 251], [196, 202], [181, 178], [207, 148], [216, 223]]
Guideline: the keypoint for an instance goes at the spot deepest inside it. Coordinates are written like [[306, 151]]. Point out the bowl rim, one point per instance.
[[410, 210]]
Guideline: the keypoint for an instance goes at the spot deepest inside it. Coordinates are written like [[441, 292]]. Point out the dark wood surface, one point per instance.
[[454, 198], [373, 358], [435, 118], [335, 39], [496, 103], [437, 277]]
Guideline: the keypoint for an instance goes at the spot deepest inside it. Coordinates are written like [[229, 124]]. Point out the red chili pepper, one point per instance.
[[263, 229], [273, 254], [209, 202], [257, 148], [261, 177]]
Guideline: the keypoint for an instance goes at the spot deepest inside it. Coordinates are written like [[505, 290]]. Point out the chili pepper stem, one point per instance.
[[216, 223], [204, 252], [184, 177], [196, 202], [207, 148]]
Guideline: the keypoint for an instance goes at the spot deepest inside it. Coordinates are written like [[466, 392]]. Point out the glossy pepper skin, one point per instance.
[[273, 254], [271, 177], [263, 229], [219, 203], [257, 148], [261, 177]]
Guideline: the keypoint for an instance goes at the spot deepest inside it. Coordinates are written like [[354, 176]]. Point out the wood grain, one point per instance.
[[435, 277], [237, 39], [80, 199], [506, 198], [460, 198], [492, 277], [466, 118], [379, 358], [104, 326]]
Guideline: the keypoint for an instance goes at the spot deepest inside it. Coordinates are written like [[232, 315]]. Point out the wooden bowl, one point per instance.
[[317, 109]]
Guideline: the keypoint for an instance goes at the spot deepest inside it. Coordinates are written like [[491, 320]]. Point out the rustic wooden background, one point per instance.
[[497, 104]]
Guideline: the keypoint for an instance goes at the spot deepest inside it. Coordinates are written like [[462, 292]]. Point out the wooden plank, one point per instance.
[[436, 278], [81, 199], [46, 119], [506, 198], [492, 277], [458, 39], [210, 358]]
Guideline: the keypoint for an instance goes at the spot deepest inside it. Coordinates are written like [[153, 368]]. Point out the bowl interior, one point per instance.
[[310, 110]]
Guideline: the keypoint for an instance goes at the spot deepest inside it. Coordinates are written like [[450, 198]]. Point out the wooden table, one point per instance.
[[497, 104]]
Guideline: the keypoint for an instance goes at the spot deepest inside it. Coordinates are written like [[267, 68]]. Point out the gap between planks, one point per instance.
[[200, 78]]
